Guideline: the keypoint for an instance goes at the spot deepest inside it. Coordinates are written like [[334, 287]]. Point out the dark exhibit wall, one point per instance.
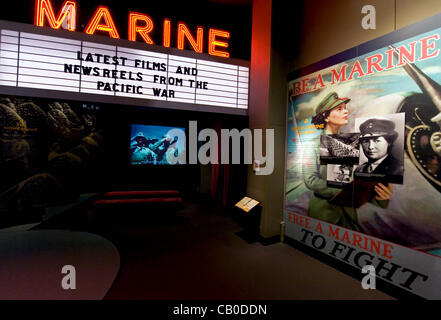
[[54, 150], [117, 168]]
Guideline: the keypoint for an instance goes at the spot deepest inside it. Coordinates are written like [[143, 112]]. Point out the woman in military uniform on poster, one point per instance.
[[333, 114]]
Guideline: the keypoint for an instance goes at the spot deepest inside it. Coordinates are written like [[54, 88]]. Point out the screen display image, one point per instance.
[[156, 145]]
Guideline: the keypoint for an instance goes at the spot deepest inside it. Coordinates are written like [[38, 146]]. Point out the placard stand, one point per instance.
[[248, 213]]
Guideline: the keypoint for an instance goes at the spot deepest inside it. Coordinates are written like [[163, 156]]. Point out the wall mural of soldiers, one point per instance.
[[44, 145]]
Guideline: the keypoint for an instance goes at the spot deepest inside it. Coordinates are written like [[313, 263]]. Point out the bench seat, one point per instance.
[[141, 194]]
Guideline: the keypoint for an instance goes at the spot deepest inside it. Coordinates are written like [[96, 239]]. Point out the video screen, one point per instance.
[[156, 145]]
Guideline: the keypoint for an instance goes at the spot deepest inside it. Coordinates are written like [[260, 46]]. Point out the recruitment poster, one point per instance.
[[363, 163]]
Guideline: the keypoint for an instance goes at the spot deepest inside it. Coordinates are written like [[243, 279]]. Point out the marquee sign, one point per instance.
[[72, 64]]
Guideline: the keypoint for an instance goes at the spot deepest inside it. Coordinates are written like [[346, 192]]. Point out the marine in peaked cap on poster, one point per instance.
[[377, 137]]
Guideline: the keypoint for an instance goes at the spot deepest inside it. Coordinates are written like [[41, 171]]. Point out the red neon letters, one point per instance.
[[94, 23], [143, 31], [139, 23], [212, 43], [67, 13], [166, 37], [183, 31]]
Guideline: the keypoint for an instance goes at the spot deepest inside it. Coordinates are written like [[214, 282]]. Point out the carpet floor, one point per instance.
[[197, 255]]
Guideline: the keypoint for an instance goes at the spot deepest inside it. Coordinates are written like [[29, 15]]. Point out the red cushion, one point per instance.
[[141, 193], [137, 201]]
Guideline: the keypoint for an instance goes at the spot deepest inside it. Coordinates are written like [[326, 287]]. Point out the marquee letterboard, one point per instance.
[[30, 60]]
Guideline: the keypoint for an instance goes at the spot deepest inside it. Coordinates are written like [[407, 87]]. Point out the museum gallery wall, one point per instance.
[[363, 158]]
